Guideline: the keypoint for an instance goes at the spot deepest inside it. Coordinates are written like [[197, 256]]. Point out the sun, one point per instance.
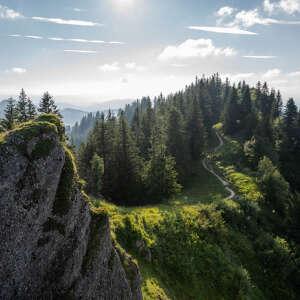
[[124, 3]]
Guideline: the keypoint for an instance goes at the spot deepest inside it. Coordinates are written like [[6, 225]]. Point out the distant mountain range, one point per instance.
[[73, 113]]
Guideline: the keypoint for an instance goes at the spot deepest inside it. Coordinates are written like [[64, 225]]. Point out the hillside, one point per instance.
[[202, 188], [203, 245]]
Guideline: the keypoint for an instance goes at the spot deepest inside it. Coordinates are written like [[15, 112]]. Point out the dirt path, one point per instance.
[[224, 182]]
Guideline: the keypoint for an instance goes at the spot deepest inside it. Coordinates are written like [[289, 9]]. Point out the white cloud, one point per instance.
[[268, 6], [18, 70], [67, 22], [8, 13], [110, 67], [251, 17], [178, 65], [66, 39], [35, 37], [195, 48], [288, 6], [79, 9], [131, 65], [225, 11], [222, 30], [81, 51], [272, 73], [116, 43], [259, 56], [134, 66], [294, 74]]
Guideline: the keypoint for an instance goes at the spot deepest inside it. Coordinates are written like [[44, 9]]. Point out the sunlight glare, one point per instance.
[[124, 3]]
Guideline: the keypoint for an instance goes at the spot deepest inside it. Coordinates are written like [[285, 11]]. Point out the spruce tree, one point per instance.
[[136, 129], [246, 105], [31, 110], [47, 105], [177, 142], [195, 131], [290, 117], [231, 113], [160, 174], [21, 107], [147, 125], [10, 116], [290, 150], [97, 171], [128, 167], [277, 106]]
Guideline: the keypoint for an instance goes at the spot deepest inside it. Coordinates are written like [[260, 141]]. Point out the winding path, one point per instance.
[[224, 182]]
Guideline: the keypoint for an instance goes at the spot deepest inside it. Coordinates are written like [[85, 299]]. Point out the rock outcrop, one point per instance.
[[53, 244]]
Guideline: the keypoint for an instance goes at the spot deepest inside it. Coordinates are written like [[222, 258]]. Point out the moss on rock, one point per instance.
[[62, 203], [22, 134], [55, 120], [43, 149]]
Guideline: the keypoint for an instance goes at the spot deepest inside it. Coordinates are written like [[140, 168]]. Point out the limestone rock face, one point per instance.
[[52, 244]]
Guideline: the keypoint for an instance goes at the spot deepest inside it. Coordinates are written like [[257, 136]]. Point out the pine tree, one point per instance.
[[289, 150], [290, 117], [160, 174], [277, 106], [195, 131], [47, 105], [21, 107], [136, 129], [31, 110], [246, 105], [231, 113], [177, 142], [147, 125], [10, 116], [128, 177], [276, 192], [97, 171]]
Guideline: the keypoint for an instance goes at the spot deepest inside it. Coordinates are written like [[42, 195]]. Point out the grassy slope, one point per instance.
[[196, 254]]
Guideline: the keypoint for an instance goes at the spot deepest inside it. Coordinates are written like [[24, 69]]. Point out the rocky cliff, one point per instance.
[[53, 245]]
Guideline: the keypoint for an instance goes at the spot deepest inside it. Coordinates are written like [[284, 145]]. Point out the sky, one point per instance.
[[91, 51]]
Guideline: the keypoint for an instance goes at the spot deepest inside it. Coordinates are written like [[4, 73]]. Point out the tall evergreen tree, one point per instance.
[[21, 107], [31, 110], [48, 106], [10, 116], [246, 105], [147, 125], [128, 167], [177, 142], [160, 173], [195, 131], [290, 149], [277, 106], [231, 113]]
